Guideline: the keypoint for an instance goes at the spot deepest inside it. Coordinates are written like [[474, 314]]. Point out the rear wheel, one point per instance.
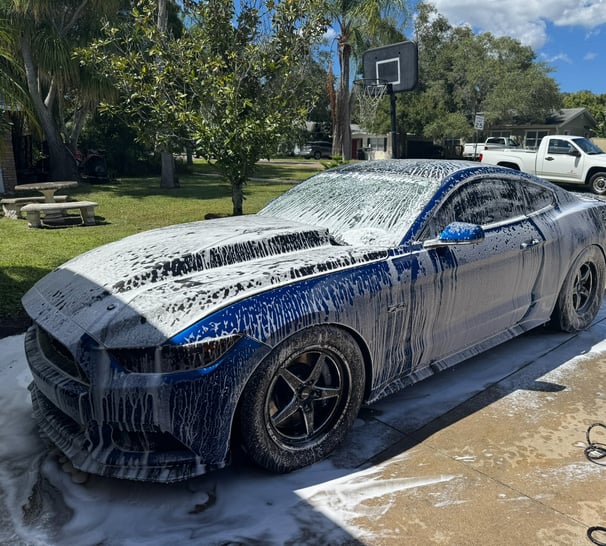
[[317, 155], [597, 183], [303, 399], [581, 294]]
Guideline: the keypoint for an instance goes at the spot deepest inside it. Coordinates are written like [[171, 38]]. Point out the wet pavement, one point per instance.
[[507, 465], [490, 452]]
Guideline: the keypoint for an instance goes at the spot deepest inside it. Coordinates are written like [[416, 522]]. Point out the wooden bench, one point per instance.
[[12, 206], [33, 210]]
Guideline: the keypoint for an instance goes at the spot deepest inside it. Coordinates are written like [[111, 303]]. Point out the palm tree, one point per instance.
[[43, 35], [361, 24]]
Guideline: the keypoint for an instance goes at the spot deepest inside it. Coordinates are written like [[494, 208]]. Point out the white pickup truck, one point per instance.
[[472, 150], [560, 158]]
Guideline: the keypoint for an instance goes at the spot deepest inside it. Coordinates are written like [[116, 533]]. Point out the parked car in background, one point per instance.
[[563, 159], [472, 150], [154, 355], [316, 149]]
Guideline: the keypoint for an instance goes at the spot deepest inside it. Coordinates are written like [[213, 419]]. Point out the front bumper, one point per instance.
[[149, 427]]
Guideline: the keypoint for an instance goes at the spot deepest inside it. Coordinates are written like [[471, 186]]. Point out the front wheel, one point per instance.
[[597, 183], [303, 399], [581, 295]]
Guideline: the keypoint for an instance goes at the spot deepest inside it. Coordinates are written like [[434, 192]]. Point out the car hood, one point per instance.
[[148, 287]]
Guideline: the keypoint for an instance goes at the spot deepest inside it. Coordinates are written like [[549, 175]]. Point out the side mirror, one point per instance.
[[457, 233]]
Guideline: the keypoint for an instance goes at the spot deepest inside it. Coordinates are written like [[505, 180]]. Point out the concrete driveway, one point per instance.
[[478, 459], [490, 452]]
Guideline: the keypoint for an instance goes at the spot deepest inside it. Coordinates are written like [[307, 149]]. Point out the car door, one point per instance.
[[559, 163], [470, 293]]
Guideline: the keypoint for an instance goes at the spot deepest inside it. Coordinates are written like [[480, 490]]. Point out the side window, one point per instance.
[[480, 202], [538, 197], [558, 146]]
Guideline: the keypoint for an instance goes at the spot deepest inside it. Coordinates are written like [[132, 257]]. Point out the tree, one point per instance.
[[168, 176], [43, 35], [361, 25], [462, 74], [596, 104], [233, 82]]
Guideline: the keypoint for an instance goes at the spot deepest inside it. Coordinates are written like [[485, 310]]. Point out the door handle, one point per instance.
[[529, 244], [549, 158]]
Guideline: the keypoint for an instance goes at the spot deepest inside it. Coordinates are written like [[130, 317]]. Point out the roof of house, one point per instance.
[[566, 115]]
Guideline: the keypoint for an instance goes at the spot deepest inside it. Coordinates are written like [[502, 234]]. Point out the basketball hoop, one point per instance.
[[369, 93]]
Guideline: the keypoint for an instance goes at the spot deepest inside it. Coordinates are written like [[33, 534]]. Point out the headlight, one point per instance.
[[174, 358]]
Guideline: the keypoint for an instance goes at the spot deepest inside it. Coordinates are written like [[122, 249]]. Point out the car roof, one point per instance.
[[435, 169]]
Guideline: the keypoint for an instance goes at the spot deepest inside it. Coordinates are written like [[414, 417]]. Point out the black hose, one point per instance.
[[594, 452], [591, 535]]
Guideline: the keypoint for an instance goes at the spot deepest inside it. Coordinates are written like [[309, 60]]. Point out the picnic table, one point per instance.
[[11, 206], [54, 206], [47, 189]]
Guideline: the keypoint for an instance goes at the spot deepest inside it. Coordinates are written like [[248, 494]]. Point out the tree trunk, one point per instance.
[[190, 154], [237, 196], [342, 132], [168, 178], [62, 163]]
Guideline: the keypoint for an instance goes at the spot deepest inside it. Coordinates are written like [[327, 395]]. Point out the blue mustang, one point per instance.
[[152, 355]]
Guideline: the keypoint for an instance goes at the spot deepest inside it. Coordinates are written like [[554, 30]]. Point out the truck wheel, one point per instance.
[[597, 183]]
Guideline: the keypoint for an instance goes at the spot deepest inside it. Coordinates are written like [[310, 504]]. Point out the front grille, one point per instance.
[[59, 355], [151, 441]]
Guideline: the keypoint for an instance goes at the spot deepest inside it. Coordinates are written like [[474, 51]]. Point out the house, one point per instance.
[[8, 171], [365, 145], [567, 121]]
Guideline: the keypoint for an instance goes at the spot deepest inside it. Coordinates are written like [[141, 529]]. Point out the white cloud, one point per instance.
[[590, 56], [330, 34], [560, 57], [589, 14], [525, 20]]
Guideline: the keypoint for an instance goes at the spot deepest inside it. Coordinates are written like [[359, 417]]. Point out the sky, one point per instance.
[[569, 35], [45, 502]]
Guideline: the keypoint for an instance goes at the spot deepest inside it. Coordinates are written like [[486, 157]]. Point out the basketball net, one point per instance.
[[369, 94]]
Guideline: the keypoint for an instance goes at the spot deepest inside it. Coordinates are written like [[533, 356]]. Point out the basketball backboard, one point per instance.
[[396, 64]]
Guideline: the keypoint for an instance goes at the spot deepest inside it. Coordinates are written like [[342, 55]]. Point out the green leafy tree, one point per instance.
[[462, 74], [596, 104], [41, 36], [13, 93], [233, 82]]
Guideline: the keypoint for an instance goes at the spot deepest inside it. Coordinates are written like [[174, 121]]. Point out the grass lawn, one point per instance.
[[128, 206]]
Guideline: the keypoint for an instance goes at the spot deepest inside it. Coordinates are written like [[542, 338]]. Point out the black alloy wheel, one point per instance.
[[302, 400]]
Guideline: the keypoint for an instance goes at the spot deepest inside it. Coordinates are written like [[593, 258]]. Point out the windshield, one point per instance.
[[357, 207], [587, 146]]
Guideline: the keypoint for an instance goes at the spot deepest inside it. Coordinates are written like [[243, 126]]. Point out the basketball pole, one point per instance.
[[394, 134]]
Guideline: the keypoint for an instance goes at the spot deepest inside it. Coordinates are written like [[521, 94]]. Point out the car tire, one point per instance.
[[581, 294], [317, 155], [302, 400], [597, 183]]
